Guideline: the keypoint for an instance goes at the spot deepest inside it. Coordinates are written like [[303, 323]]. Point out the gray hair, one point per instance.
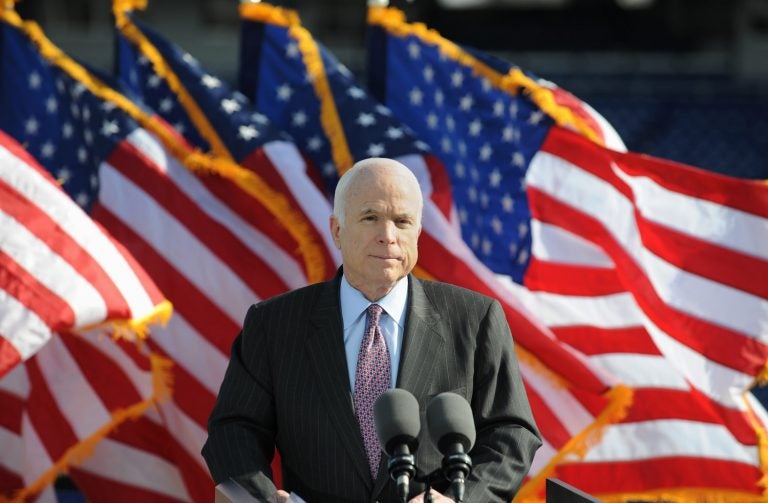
[[340, 196]]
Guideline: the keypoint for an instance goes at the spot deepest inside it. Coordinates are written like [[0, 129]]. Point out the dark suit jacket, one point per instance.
[[287, 386]]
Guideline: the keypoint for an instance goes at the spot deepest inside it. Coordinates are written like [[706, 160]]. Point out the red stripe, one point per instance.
[[10, 482], [18, 151], [658, 403], [48, 231], [98, 488], [444, 266], [704, 258], [152, 291], [567, 279], [10, 411], [750, 196], [661, 473], [595, 340], [441, 185], [222, 242], [197, 309], [35, 296], [717, 343], [548, 423], [9, 356], [113, 387], [53, 428]]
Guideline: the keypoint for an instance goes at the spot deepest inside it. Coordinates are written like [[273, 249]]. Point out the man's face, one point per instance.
[[378, 240]]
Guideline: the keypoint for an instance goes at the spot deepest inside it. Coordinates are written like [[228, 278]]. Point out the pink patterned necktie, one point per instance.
[[372, 378]]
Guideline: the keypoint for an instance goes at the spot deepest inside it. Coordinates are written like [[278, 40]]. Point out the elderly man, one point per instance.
[[308, 364]]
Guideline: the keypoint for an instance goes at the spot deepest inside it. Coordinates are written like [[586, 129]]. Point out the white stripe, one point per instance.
[[72, 392], [415, 162], [569, 411], [51, 270], [673, 437], [174, 242], [36, 459], [15, 382], [22, 328], [41, 192], [555, 244], [543, 455], [715, 223], [316, 207], [700, 297], [12, 448], [130, 466], [188, 433], [140, 378], [641, 371], [284, 265], [194, 352]]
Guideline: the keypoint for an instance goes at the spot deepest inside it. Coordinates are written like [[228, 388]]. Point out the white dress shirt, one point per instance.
[[392, 322]]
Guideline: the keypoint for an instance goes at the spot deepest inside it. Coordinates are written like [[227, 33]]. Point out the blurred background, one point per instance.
[[686, 80]]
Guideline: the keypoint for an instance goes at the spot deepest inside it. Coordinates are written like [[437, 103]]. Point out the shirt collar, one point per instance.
[[354, 303]]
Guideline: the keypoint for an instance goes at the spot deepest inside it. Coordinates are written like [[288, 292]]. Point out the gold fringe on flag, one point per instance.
[[194, 160], [162, 386], [393, 21], [329, 115]]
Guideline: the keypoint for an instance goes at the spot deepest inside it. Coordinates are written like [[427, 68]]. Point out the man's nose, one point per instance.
[[388, 232]]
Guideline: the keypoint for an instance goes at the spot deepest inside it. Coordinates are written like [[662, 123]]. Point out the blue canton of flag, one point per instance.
[[284, 91], [62, 124], [241, 128], [485, 137]]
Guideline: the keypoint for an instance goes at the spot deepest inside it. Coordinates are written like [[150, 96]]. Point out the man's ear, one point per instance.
[[335, 230]]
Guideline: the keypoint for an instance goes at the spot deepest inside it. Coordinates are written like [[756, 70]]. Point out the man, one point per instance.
[[308, 364]]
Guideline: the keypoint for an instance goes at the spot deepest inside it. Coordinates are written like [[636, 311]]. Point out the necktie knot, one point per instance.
[[374, 312]]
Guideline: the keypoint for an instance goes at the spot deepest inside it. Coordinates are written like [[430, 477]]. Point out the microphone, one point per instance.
[[396, 415], [452, 429]]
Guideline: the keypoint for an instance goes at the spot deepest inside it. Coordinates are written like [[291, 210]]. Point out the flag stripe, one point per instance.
[[568, 279]]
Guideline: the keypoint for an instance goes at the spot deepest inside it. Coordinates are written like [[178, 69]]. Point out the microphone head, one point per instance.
[[396, 415], [450, 421]]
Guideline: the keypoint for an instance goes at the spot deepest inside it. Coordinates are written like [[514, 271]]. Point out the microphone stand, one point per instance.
[[427, 480]]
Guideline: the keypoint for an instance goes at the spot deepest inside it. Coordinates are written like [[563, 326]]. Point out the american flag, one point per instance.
[[193, 233], [563, 389], [648, 267]]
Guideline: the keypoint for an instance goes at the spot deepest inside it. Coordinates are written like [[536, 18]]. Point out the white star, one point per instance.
[[247, 132], [94, 181], [284, 92], [414, 50], [31, 126], [383, 110], [343, 70], [35, 80], [460, 170], [475, 127], [498, 108], [445, 144], [494, 179], [486, 84], [536, 117], [375, 150], [518, 159], [47, 150], [416, 96], [428, 73], [484, 200], [393, 133], [472, 193], [78, 89], [522, 229], [457, 78], [462, 148], [166, 105], [230, 106], [507, 203], [314, 144], [356, 93], [365, 119], [475, 174], [74, 110], [88, 135], [432, 121], [292, 51], [153, 80], [513, 248], [259, 118], [82, 199], [180, 127], [421, 146], [210, 81], [463, 216], [485, 152], [60, 85], [513, 109], [487, 247], [86, 114], [509, 134], [450, 123], [299, 119], [475, 239], [439, 98], [142, 60], [497, 225], [523, 257], [51, 105], [82, 155], [63, 175], [67, 130], [189, 59], [108, 106], [329, 169], [466, 102], [108, 128]]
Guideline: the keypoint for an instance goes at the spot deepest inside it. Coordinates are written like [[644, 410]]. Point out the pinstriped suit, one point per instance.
[[287, 385]]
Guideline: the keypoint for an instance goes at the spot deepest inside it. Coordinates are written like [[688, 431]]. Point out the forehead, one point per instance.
[[383, 191]]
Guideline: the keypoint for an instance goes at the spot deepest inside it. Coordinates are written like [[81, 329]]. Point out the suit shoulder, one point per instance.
[[439, 290]]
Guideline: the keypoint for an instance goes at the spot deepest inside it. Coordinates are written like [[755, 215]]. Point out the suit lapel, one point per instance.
[[326, 351], [423, 343]]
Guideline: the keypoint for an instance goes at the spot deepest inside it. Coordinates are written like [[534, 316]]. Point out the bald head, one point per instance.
[[376, 224], [367, 171]]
